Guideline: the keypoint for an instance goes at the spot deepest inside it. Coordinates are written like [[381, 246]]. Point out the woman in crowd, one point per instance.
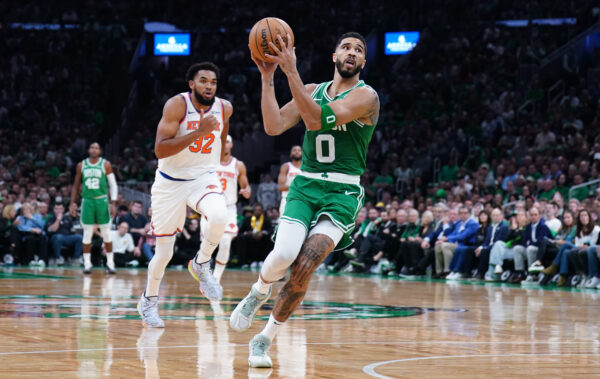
[[413, 252], [33, 237], [586, 237]]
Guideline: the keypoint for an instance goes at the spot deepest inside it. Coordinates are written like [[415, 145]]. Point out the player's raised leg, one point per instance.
[[320, 243], [222, 255], [212, 206]]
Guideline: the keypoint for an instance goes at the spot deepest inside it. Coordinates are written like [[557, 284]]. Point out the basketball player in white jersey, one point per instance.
[[231, 172], [189, 137], [287, 173]]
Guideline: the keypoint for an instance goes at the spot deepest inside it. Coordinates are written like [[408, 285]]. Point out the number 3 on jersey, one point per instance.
[[330, 142], [203, 144]]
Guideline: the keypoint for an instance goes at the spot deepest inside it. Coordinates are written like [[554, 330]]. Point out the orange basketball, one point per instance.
[[266, 31]]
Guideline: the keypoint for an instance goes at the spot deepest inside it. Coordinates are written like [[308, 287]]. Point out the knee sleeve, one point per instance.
[[224, 248], [290, 237], [162, 255], [327, 227], [105, 231], [88, 232]]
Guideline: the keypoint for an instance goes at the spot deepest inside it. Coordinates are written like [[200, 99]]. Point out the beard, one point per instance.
[[339, 65], [296, 157], [202, 100]]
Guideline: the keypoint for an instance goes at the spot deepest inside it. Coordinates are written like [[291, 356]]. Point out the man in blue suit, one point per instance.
[[497, 231], [463, 235], [446, 227], [535, 232]]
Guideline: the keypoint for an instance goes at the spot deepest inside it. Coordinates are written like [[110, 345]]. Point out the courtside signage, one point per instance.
[[398, 43], [172, 44]]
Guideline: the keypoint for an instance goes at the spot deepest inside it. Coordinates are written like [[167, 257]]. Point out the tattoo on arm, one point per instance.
[[374, 109], [313, 253]]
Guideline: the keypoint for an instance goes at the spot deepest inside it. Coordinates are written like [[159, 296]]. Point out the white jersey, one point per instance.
[[202, 155], [293, 171], [228, 176]]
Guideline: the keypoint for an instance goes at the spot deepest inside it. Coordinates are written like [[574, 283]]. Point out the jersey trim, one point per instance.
[[196, 109], [185, 111], [172, 178], [339, 94]]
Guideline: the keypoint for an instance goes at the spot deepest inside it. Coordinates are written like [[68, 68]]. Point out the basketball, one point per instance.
[[265, 31]]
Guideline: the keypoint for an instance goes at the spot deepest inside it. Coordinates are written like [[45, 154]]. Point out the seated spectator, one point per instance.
[[125, 252], [434, 239], [9, 235], [585, 237], [549, 247], [412, 250], [410, 233], [136, 221], [462, 236], [121, 213], [255, 237], [147, 243], [33, 237], [60, 229], [497, 231], [462, 260], [507, 250], [535, 232], [187, 243], [373, 244]]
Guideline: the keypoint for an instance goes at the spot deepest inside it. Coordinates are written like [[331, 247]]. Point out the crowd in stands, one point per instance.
[[452, 133]]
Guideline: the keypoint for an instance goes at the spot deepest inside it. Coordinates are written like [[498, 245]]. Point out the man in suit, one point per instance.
[[462, 236], [497, 231], [535, 232], [449, 221]]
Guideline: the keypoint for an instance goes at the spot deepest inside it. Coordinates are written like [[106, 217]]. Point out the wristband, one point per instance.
[[328, 118]]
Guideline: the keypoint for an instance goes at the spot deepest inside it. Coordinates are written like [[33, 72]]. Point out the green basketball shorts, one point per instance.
[[95, 211], [310, 199]]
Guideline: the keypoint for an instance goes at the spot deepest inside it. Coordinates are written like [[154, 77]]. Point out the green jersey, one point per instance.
[[342, 149], [93, 179]]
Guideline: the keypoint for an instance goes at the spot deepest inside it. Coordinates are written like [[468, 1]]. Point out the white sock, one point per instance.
[[271, 328], [110, 261], [87, 260], [156, 267], [218, 272], [262, 286]]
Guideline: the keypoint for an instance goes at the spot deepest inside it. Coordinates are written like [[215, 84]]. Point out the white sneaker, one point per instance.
[[536, 267], [498, 270], [242, 315], [209, 286], [259, 346], [592, 282], [451, 276], [529, 278], [583, 282], [60, 261], [458, 276], [148, 308]]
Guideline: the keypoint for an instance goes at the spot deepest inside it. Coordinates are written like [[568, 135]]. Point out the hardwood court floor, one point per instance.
[[60, 324]]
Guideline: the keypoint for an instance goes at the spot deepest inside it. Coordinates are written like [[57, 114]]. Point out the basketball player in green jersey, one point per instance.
[[323, 201], [94, 175]]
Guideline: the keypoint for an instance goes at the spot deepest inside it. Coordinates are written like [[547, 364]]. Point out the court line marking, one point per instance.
[[370, 369], [318, 343]]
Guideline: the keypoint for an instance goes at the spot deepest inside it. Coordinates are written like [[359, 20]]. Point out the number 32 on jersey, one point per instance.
[[203, 144]]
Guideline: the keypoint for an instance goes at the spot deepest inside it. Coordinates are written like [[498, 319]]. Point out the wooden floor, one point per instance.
[[56, 323]]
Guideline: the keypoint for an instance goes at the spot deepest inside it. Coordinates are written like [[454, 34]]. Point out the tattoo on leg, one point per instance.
[[313, 253]]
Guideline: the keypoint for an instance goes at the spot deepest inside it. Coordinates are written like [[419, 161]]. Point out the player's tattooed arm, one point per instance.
[[313, 253], [374, 108]]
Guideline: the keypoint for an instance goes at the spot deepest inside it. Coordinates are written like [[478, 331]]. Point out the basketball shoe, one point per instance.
[[148, 309], [242, 315], [209, 286], [259, 346]]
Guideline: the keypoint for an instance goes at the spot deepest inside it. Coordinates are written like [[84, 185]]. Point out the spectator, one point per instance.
[[188, 243], [60, 229], [412, 247], [497, 231], [462, 260], [435, 239], [33, 237], [136, 221], [147, 244], [125, 252], [267, 193], [508, 250], [9, 234], [586, 236], [549, 248], [255, 236], [535, 232], [462, 236]]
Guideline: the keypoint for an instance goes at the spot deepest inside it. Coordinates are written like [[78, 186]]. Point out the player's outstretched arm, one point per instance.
[[167, 143], [281, 179], [245, 189], [275, 120], [228, 112], [76, 184]]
